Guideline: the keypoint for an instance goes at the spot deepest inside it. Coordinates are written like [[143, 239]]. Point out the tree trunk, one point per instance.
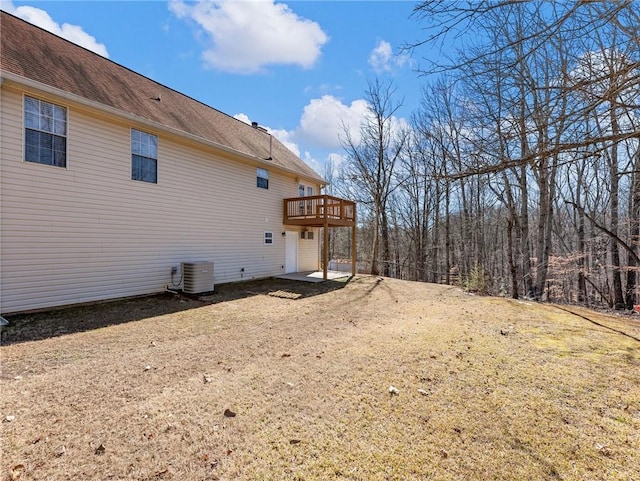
[[375, 242], [618, 298], [583, 297], [582, 253], [447, 235], [631, 298], [546, 184], [436, 238], [527, 269], [384, 238]]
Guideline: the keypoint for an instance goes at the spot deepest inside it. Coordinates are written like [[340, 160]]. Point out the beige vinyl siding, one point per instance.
[[89, 232], [308, 249], [308, 259]]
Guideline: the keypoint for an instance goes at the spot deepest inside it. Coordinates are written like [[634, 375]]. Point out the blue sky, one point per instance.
[[299, 68]]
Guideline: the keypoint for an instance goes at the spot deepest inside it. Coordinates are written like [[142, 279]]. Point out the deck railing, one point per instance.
[[315, 209]]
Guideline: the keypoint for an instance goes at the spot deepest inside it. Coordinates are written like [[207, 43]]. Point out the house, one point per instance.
[[109, 180]]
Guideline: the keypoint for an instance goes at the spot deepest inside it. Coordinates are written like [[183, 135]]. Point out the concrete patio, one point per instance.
[[314, 276]]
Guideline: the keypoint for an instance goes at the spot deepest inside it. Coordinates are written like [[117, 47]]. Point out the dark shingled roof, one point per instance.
[[28, 51]]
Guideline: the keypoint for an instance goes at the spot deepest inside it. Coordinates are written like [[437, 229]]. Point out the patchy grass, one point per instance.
[[137, 390]]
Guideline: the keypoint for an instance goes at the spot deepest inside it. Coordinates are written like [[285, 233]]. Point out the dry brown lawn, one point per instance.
[[138, 389]]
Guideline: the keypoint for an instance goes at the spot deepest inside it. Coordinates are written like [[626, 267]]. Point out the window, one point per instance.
[[268, 238], [144, 156], [310, 206], [301, 193], [262, 178], [45, 128]]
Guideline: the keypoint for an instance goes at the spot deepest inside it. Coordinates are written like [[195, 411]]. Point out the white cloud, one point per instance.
[[322, 127], [382, 58], [315, 164], [286, 138], [247, 36], [336, 159], [282, 135], [324, 120], [42, 19], [322, 124], [243, 118]]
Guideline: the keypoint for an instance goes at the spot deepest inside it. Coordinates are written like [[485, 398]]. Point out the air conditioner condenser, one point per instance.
[[198, 277]]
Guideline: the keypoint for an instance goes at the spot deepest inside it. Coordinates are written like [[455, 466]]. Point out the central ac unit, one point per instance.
[[198, 277]]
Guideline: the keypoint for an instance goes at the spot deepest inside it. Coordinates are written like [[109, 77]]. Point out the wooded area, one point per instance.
[[519, 174]]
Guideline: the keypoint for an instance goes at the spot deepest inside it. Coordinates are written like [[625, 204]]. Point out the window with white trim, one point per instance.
[[310, 206], [45, 132], [301, 193], [262, 178], [268, 238], [144, 156]]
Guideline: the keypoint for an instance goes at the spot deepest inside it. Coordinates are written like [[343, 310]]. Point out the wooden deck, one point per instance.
[[319, 211], [324, 211]]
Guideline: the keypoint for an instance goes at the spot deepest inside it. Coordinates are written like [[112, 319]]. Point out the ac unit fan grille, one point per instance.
[[198, 277]]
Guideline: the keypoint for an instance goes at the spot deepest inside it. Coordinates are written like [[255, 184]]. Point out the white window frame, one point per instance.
[[48, 123], [301, 190], [144, 148], [268, 238], [262, 178], [305, 190]]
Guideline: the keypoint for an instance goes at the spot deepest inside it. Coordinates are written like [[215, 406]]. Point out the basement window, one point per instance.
[[262, 176], [45, 132]]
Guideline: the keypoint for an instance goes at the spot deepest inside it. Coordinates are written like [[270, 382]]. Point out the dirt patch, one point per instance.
[[53, 323], [483, 388]]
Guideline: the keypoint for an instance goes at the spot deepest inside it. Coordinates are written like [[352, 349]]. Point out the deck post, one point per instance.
[[325, 230], [353, 244]]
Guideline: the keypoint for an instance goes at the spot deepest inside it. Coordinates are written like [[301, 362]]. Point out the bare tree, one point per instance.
[[371, 163], [537, 108]]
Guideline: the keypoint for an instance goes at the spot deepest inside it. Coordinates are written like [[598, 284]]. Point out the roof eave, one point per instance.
[[12, 79]]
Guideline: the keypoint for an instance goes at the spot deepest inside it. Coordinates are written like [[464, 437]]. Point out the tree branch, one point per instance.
[[626, 247]]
